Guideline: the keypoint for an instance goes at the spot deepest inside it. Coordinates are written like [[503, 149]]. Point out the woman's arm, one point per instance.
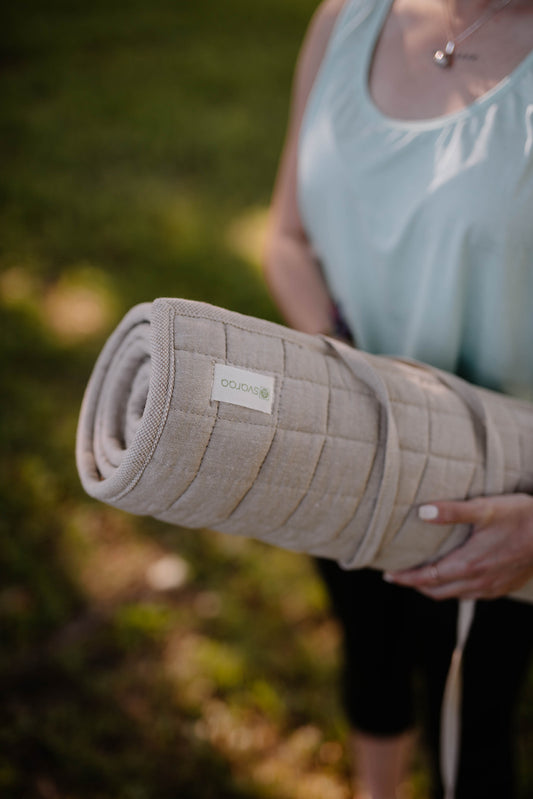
[[290, 268]]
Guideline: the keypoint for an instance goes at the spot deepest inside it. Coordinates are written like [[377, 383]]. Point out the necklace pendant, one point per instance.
[[444, 58]]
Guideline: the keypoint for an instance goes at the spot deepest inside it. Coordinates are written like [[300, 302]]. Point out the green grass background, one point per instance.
[[139, 146]]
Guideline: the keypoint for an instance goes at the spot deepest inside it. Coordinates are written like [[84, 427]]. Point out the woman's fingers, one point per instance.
[[469, 511], [496, 559]]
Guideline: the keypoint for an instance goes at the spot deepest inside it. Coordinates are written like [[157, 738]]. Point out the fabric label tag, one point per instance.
[[240, 387]]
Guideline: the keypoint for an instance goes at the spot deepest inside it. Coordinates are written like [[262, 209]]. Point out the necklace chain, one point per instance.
[[444, 57]]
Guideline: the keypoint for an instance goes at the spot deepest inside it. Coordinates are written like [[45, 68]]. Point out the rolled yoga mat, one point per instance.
[[203, 417]]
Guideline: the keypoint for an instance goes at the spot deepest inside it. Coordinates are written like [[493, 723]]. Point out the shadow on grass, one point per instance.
[[72, 726]]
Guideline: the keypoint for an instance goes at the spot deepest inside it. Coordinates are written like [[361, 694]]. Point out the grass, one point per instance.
[[140, 143]]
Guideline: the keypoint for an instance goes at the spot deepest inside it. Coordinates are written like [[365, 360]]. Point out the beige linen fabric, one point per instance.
[[353, 443]]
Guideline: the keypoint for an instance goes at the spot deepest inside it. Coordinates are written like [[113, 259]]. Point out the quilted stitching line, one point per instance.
[[278, 427], [281, 487], [274, 429], [472, 478], [308, 488], [245, 365], [439, 456], [334, 437], [204, 453], [360, 390], [285, 333]]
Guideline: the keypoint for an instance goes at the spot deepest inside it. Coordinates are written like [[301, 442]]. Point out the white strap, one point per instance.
[[450, 719], [450, 742]]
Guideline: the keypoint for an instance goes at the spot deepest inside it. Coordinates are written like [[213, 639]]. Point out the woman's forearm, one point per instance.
[[297, 285]]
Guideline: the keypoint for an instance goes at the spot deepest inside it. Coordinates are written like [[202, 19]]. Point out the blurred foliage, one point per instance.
[[139, 146]]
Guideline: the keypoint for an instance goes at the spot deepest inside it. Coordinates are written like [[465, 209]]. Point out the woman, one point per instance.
[[404, 201]]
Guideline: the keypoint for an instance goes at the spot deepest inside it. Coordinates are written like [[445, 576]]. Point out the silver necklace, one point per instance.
[[444, 57]]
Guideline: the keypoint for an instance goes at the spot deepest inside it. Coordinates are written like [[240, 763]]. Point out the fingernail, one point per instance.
[[388, 578], [428, 512]]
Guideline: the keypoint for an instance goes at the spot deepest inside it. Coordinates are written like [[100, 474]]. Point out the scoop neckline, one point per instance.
[[428, 122]]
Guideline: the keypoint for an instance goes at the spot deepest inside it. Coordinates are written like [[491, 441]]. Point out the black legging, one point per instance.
[[392, 633]]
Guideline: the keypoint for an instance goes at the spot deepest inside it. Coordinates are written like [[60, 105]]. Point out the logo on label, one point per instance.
[[241, 387]]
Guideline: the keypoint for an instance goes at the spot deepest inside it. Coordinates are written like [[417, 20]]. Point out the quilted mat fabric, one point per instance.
[[203, 417]]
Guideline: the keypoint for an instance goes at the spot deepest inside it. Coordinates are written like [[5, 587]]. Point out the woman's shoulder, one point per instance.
[[331, 7], [315, 43], [325, 17]]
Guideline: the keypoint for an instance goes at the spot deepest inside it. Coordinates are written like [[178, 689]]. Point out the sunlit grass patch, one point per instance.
[[137, 623], [246, 235], [113, 561], [80, 304]]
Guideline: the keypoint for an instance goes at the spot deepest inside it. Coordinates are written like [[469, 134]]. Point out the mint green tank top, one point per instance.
[[424, 228]]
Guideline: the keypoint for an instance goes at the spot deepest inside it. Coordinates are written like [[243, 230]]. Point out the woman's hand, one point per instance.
[[496, 559]]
